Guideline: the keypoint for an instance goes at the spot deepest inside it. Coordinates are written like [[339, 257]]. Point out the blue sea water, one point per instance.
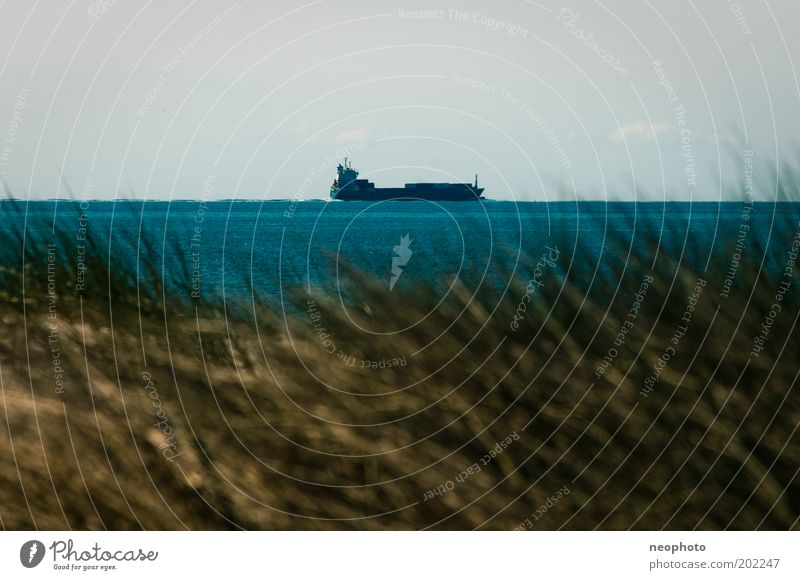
[[239, 248]]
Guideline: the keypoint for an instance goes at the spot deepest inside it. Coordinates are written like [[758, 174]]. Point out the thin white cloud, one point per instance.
[[350, 135], [640, 131]]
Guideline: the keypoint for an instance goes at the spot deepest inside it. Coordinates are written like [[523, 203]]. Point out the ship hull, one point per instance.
[[412, 192]]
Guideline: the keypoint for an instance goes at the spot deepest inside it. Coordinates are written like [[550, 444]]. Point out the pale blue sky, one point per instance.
[[148, 100]]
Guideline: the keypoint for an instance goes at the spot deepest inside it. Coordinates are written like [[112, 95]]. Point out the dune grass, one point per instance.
[[128, 407]]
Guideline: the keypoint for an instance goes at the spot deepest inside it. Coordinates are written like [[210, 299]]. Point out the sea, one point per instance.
[[221, 250]]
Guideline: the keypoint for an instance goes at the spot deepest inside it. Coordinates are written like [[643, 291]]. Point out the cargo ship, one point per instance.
[[348, 187]]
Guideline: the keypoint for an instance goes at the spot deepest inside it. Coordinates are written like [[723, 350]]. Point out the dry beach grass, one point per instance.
[[176, 414]]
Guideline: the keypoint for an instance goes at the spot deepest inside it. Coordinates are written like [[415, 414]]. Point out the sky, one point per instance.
[[645, 100]]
